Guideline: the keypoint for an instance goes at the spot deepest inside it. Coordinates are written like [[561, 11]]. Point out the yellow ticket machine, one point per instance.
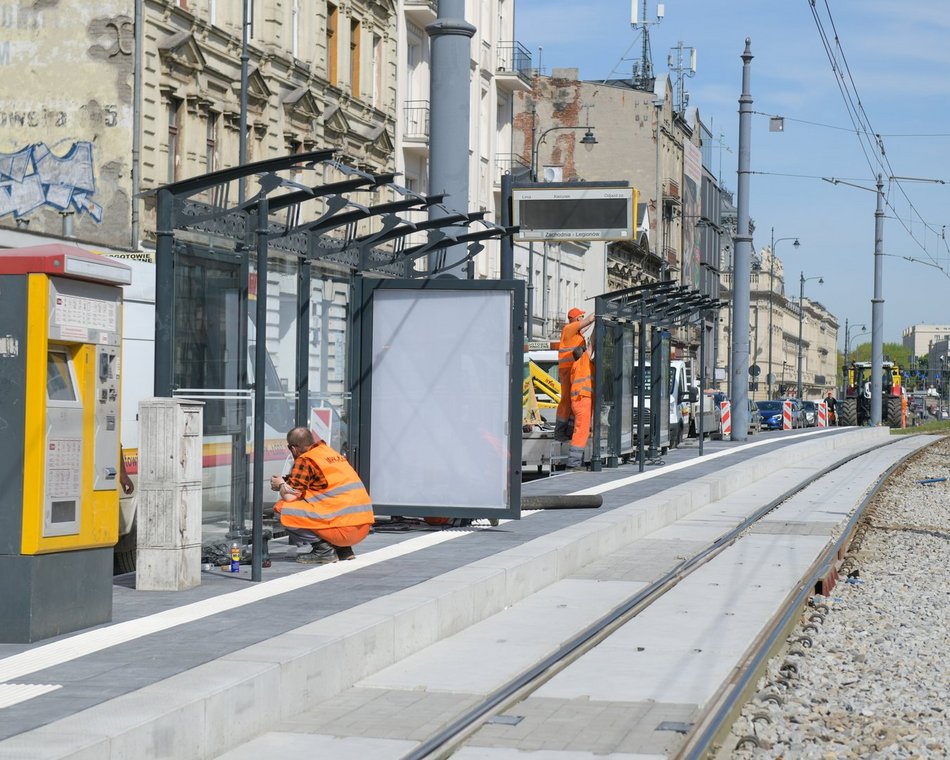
[[60, 331]]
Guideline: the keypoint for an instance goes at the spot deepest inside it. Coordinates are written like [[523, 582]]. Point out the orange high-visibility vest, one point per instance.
[[344, 502], [582, 377], [571, 338]]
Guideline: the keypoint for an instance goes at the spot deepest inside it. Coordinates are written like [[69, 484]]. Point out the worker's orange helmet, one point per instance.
[[575, 313]]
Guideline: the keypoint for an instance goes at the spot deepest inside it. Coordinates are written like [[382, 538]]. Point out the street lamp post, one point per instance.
[[847, 343], [588, 141], [801, 320], [772, 295]]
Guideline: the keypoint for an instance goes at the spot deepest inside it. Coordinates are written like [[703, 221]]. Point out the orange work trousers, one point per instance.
[[581, 407]]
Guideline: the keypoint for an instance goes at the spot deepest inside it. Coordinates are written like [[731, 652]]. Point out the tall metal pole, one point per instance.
[[877, 308], [844, 369], [451, 55], [801, 321], [659, 204], [768, 377], [507, 246], [242, 138], [742, 266], [260, 371]]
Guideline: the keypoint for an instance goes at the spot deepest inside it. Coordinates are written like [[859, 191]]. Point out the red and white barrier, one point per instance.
[[822, 420], [725, 419], [786, 415]]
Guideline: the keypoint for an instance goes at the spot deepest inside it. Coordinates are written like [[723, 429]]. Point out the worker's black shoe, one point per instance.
[[344, 553], [321, 554]]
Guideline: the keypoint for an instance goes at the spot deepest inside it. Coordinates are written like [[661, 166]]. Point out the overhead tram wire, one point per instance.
[[861, 122]]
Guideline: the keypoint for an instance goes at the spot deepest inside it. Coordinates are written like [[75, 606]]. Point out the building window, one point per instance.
[[356, 32], [377, 70], [295, 29], [211, 141], [173, 107], [333, 21], [293, 148]]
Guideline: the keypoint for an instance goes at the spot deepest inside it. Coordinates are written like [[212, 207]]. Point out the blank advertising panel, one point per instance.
[[441, 400]]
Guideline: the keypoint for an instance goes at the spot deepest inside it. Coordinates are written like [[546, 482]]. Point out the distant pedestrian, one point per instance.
[[831, 403], [323, 501], [571, 338]]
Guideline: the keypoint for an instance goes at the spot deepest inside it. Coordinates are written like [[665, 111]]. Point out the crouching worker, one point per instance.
[[323, 502]]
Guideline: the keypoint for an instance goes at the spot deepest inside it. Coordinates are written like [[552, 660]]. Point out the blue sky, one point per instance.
[[898, 61]]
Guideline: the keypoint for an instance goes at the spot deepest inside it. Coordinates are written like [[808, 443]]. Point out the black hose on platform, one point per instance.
[[562, 501]]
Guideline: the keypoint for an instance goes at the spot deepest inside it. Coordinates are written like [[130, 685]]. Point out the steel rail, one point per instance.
[[446, 741]]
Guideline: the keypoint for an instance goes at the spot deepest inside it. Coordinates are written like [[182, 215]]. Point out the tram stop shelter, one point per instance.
[[631, 344], [329, 305]]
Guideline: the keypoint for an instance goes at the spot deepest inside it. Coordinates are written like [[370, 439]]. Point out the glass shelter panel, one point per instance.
[[210, 332]]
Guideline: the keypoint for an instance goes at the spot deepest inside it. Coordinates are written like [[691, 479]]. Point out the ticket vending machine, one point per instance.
[[60, 329]]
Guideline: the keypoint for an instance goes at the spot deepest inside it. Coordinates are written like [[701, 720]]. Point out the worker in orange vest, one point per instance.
[[571, 338], [582, 391], [323, 501]]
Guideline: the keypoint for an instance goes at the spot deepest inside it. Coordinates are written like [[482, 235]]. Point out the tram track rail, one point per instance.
[[715, 719]]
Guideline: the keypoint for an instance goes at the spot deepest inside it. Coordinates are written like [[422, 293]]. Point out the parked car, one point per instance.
[[810, 410], [770, 413], [719, 397]]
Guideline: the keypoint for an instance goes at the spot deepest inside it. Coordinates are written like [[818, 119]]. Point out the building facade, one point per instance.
[[567, 130], [320, 74], [918, 339], [775, 321], [500, 67]]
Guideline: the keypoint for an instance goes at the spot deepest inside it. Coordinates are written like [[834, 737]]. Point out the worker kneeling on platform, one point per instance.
[[323, 501]]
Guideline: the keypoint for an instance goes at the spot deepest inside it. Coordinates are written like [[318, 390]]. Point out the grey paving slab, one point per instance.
[[498, 649], [302, 745]]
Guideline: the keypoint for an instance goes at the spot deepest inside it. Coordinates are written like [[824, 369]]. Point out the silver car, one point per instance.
[[810, 412]]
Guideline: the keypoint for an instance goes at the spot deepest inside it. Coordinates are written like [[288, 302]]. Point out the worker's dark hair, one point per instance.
[[301, 437]]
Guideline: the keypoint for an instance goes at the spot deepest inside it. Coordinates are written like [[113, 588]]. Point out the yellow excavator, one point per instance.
[[540, 391]]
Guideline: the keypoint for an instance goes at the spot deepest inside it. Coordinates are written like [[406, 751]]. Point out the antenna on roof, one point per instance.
[[643, 78]]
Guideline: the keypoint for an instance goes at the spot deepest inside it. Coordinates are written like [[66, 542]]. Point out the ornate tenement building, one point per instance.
[[320, 74]]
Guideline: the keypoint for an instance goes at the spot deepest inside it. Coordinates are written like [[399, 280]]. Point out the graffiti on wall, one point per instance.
[[35, 177]]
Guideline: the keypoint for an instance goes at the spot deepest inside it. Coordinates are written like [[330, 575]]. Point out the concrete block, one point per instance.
[[242, 709], [488, 586], [309, 667], [50, 743], [367, 640], [168, 569], [169, 500], [415, 615], [168, 517]]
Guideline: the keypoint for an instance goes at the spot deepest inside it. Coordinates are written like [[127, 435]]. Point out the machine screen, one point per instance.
[[59, 380]]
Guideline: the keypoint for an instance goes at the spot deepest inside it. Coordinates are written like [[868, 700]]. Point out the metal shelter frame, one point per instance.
[[218, 227], [658, 305]]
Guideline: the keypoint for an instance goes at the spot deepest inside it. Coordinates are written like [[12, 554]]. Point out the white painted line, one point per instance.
[[89, 642], [14, 693]]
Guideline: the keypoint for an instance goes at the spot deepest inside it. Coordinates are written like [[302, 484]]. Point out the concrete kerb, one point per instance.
[[182, 716]]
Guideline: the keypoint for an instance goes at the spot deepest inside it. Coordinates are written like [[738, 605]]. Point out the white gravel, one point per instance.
[[875, 682]]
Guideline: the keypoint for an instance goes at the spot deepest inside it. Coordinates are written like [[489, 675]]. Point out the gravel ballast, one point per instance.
[[866, 674]]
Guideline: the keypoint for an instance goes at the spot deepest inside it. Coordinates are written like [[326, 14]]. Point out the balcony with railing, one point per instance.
[[510, 163], [512, 66], [421, 12], [416, 124]]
